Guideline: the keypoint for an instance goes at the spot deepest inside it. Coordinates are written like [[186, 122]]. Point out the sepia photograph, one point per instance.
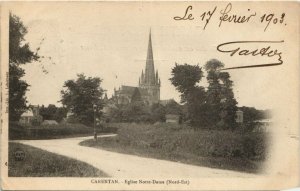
[[149, 95]]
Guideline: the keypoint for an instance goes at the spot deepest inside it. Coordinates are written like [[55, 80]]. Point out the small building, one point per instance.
[[172, 118], [262, 125], [26, 117], [31, 116], [166, 101], [49, 122], [239, 116]]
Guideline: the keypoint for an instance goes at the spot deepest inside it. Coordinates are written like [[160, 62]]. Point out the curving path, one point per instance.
[[125, 166]]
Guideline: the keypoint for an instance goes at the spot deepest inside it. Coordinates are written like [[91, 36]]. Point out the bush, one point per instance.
[[182, 139], [35, 122], [17, 131]]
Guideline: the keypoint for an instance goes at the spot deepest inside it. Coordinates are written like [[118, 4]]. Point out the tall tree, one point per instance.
[[81, 95], [185, 78], [220, 96], [19, 54]]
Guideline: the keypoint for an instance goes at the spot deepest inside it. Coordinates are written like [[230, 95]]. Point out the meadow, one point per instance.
[[39, 163], [226, 149]]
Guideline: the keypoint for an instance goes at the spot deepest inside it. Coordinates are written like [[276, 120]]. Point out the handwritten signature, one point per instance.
[[266, 51]]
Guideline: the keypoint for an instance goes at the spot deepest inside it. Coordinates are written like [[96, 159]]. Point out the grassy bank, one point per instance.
[[39, 163], [212, 148], [19, 132]]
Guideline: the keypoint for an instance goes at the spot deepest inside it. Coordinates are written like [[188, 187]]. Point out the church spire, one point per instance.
[[150, 72]]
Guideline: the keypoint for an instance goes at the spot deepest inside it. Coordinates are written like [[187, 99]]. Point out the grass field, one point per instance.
[[39, 163], [212, 148]]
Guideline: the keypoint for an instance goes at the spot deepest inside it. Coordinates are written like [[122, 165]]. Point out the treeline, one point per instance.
[[137, 112], [213, 106], [251, 114], [207, 107], [53, 113]]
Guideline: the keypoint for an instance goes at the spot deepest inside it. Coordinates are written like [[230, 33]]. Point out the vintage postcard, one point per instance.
[[149, 95]]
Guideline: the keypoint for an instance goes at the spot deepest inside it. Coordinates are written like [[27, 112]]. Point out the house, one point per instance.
[[31, 116], [262, 125], [26, 117], [239, 116], [49, 122]]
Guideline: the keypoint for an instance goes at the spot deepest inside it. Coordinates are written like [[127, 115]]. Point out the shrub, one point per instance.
[[175, 138], [17, 131]]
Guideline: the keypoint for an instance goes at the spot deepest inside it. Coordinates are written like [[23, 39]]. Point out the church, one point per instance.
[[148, 90]]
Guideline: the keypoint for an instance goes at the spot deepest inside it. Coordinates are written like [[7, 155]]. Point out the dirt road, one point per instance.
[[123, 165]]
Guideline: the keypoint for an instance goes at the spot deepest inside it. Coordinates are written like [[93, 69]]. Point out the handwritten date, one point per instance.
[[227, 16]]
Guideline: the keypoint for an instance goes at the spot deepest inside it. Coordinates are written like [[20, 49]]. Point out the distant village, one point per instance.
[[147, 92]]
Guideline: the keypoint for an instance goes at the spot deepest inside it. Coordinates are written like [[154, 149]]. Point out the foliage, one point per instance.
[[158, 113], [250, 114], [81, 95], [173, 108], [19, 53], [140, 112], [35, 122], [214, 107], [185, 77], [53, 113], [198, 111], [133, 112], [220, 95], [17, 131]]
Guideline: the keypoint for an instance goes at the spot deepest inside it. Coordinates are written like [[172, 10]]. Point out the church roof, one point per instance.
[[129, 90], [27, 113]]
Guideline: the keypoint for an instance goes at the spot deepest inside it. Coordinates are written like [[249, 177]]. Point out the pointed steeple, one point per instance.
[[142, 77], [149, 72]]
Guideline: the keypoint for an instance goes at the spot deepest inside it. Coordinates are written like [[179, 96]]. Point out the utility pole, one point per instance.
[[95, 132]]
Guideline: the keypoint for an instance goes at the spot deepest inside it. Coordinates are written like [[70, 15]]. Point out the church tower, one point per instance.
[[150, 80]]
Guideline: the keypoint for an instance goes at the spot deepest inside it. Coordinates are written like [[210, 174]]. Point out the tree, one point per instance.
[[250, 114], [80, 95], [60, 113], [185, 77], [220, 96], [19, 53], [173, 108], [48, 112], [53, 113], [214, 107], [158, 113]]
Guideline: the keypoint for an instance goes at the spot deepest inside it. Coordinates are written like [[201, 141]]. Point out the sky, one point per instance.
[[109, 40]]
